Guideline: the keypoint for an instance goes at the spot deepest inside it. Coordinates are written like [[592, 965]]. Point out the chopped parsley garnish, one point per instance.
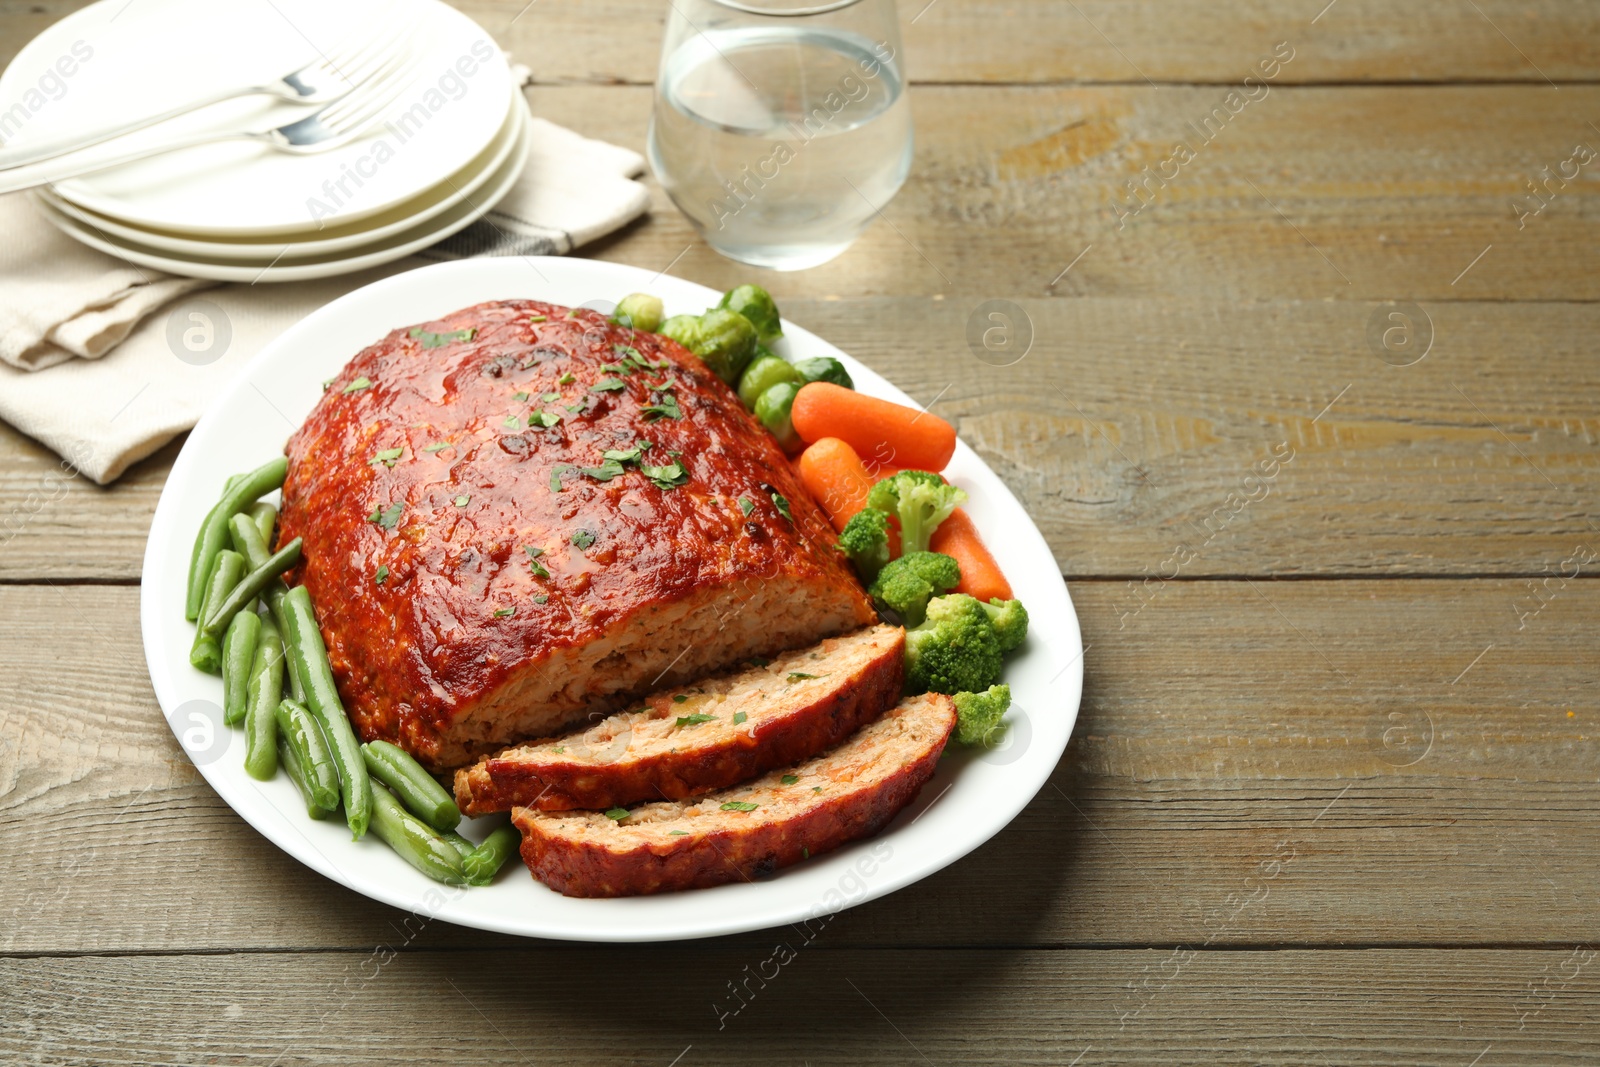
[[380, 574], [386, 456], [511, 422], [614, 368], [679, 698], [557, 472], [572, 313], [805, 853], [582, 539], [439, 340], [462, 500], [559, 749], [669, 477], [437, 446], [547, 419], [781, 502], [520, 396], [605, 472], [566, 379], [666, 409], [543, 598], [608, 385], [549, 397], [816, 789], [739, 717], [533, 562], [538, 318], [617, 814], [759, 662], [388, 517], [740, 805], [627, 350], [797, 676], [677, 833], [789, 779], [359, 384], [628, 455], [501, 613], [746, 505], [696, 719]]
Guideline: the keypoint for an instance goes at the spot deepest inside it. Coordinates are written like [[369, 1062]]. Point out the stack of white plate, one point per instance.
[[453, 143]]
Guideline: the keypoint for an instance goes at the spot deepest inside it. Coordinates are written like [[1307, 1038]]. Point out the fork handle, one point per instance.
[[57, 170], [20, 157]]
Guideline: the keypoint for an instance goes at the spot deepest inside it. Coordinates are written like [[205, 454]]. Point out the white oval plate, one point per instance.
[[135, 59], [364, 234], [401, 245], [969, 800]]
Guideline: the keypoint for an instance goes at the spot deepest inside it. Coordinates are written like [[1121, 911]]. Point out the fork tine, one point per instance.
[[371, 98]]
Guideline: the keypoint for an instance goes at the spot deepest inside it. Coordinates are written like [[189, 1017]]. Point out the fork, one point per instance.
[[332, 126], [321, 81]]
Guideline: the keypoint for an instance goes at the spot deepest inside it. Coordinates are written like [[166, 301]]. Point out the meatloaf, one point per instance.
[[520, 515], [704, 736], [749, 830]]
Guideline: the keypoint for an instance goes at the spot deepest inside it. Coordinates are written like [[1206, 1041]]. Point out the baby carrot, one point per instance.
[[891, 433], [833, 474], [980, 574]]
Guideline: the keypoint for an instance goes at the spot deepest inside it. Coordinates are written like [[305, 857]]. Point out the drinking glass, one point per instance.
[[781, 128]]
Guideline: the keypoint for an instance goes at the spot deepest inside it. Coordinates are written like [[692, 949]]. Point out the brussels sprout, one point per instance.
[[772, 408], [684, 329], [762, 374], [824, 369], [727, 341], [641, 311], [755, 304]]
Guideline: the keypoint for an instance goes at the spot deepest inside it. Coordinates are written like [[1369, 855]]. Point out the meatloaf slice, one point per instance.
[[520, 515], [748, 830], [705, 736]]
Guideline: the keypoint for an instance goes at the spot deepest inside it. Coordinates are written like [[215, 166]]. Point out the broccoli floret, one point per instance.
[[1010, 621], [904, 586], [865, 539], [978, 714], [921, 500], [954, 649]]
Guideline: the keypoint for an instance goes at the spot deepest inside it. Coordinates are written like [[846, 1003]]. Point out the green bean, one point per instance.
[[261, 704], [302, 642], [266, 517], [214, 530], [227, 567], [297, 775], [416, 788], [250, 586], [487, 859], [238, 652], [299, 727], [414, 839], [247, 537], [463, 846]]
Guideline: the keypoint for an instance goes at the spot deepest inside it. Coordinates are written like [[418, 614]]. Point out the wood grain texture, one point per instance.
[[807, 1003], [1037, 41], [1137, 433], [1255, 763]]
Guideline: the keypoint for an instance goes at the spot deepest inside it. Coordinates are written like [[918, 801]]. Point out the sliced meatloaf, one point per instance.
[[485, 572], [714, 733], [748, 830]]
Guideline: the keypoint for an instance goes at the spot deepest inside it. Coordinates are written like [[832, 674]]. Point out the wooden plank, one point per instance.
[[1091, 41], [1256, 763], [801, 1002], [1136, 433], [1346, 193]]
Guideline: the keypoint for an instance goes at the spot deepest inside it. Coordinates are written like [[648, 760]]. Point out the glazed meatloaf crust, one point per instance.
[[749, 830], [485, 573], [708, 735]]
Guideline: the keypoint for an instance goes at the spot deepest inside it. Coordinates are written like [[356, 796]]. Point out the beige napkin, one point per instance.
[[105, 362]]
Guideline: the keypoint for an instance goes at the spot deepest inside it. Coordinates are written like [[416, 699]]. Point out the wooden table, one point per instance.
[[1332, 797]]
